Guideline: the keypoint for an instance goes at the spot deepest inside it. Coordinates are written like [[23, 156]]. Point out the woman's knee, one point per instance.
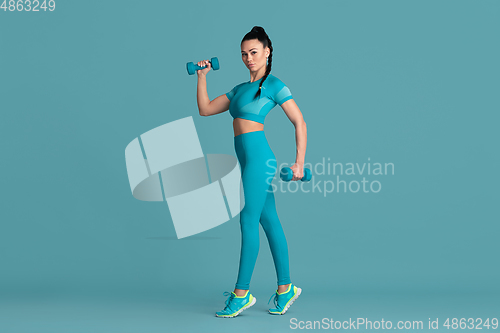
[[249, 219]]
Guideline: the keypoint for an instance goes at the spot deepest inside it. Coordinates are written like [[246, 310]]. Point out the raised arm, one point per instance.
[[205, 106]]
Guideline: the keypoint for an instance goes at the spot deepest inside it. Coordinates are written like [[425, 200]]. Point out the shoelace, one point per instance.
[[229, 300], [275, 300]]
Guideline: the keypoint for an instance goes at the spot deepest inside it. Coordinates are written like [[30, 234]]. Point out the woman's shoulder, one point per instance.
[[275, 82]]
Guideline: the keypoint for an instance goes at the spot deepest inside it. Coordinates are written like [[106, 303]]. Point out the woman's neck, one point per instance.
[[258, 75]]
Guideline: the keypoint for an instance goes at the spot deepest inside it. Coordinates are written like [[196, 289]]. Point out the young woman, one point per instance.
[[249, 103]]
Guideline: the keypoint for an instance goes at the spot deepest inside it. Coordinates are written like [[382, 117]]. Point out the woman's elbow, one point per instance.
[[203, 112], [300, 124]]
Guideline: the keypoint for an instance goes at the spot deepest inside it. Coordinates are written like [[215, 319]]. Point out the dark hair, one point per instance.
[[260, 34]]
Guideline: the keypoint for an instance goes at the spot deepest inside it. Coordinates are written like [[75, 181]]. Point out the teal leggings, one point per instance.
[[258, 167]]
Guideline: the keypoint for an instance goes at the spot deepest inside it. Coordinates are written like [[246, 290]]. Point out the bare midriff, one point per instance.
[[241, 126]]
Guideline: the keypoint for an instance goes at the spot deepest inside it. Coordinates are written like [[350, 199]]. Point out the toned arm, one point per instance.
[[207, 107], [293, 113]]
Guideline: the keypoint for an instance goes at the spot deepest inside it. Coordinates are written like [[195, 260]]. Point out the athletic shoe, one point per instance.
[[236, 304], [284, 300]]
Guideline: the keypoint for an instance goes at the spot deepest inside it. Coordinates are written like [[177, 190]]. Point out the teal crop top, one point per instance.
[[242, 105]]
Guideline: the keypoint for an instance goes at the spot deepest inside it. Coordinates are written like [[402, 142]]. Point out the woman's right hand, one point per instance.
[[204, 71]]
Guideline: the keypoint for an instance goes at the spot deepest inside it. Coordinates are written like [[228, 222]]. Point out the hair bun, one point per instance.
[[258, 29]]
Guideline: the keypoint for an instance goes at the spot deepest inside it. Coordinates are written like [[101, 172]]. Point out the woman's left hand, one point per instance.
[[298, 171]]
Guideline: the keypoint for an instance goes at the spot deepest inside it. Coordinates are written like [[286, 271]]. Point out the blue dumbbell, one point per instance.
[[192, 68], [286, 174]]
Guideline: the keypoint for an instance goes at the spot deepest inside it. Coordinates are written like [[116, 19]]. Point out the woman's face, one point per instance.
[[253, 53]]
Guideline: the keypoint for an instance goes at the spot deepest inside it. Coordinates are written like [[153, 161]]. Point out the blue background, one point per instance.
[[413, 83]]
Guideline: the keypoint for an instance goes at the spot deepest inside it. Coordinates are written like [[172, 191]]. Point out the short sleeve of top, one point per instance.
[[242, 102]]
